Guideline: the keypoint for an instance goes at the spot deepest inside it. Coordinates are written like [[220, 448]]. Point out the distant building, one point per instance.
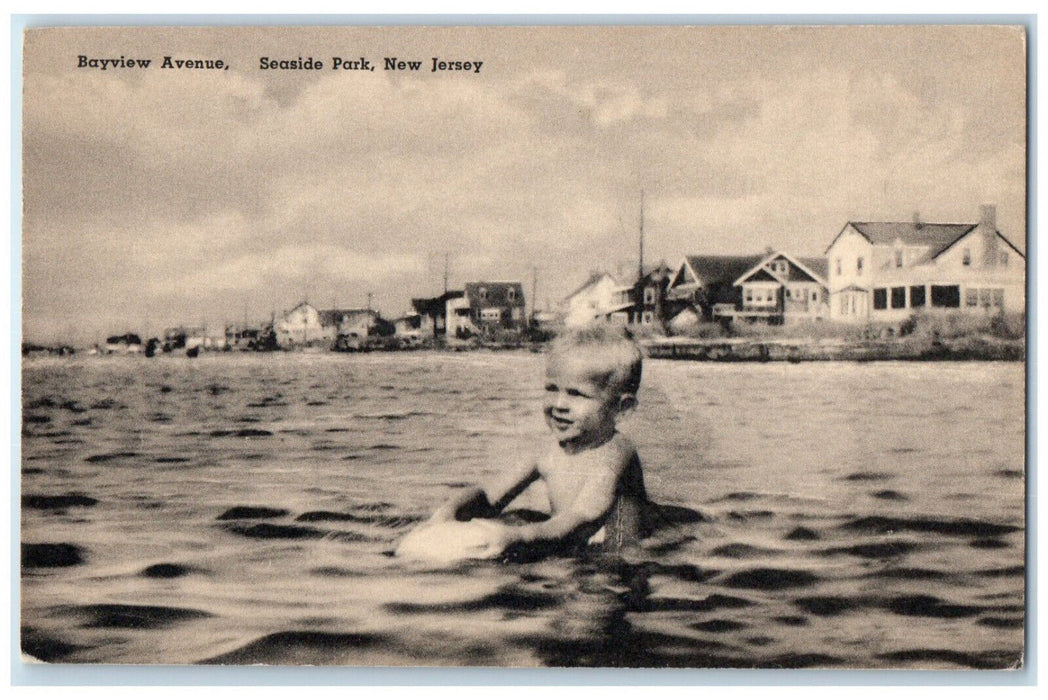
[[781, 288], [649, 295], [600, 297], [126, 344], [433, 313], [495, 308], [302, 327], [459, 322], [706, 284], [355, 323], [885, 271]]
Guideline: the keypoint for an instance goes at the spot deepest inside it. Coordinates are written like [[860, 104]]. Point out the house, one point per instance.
[[495, 308], [884, 271], [600, 297], [355, 323], [433, 313], [126, 344], [706, 283], [649, 295], [458, 322], [782, 288], [302, 327]]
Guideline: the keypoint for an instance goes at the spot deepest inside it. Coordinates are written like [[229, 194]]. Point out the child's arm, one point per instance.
[[487, 502], [577, 523]]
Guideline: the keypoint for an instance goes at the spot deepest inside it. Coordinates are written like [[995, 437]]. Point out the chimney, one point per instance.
[[988, 227], [988, 216], [917, 220]]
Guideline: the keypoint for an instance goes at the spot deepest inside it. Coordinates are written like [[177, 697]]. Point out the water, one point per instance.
[[242, 508]]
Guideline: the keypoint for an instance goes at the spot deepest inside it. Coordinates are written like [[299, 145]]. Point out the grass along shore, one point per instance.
[[925, 336]]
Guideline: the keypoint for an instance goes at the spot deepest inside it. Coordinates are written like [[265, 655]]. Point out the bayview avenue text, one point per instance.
[[435, 65]]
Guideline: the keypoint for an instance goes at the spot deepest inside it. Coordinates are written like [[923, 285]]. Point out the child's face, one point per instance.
[[579, 411]]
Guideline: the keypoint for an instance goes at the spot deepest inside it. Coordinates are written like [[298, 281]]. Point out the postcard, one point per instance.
[[692, 347]]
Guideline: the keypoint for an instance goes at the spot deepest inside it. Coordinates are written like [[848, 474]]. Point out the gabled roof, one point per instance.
[[719, 269], [497, 293], [593, 279], [435, 306], [816, 268], [936, 237], [820, 266]]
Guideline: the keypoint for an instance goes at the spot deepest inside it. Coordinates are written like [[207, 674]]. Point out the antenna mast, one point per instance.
[[640, 264]]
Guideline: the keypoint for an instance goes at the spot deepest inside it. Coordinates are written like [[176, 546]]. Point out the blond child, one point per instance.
[[592, 472]]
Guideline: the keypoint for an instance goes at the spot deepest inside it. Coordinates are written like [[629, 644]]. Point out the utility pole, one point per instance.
[[534, 293], [445, 273], [640, 264]]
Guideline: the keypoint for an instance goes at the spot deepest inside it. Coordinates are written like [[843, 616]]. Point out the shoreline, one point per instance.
[[793, 350], [974, 348]]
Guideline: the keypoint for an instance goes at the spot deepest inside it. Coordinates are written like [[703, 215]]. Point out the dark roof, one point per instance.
[[435, 306], [497, 293], [820, 266], [721, 269], [937, 237]]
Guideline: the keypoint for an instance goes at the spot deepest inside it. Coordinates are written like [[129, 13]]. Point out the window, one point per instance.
[[917, 296], [998, 298], [971, 297], [838, 266], [898, 297], [858, 265], [898, 257], [814, 295], [780, 267], [966, 259], [946, 296], [483, 293], [1004, 259], [511, 293], [844, 305], [647, 317], [491, 314], [649, 295], [880, 298], [749, 295], [984, 298]]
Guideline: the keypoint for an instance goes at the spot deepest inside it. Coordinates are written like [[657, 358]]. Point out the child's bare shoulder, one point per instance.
[[619, 453], [623, 447]]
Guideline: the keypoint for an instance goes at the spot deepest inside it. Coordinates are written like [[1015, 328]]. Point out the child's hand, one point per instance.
[[499, 538]]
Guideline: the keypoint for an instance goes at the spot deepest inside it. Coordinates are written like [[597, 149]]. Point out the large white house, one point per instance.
[[885, 271]]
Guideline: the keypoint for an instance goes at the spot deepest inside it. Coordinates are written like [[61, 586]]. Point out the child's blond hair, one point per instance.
[[616, 359]]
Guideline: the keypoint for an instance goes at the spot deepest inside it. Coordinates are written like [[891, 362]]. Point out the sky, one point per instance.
[[162, 197]]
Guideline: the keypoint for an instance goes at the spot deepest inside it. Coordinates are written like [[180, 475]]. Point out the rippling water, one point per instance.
[[241, 509]]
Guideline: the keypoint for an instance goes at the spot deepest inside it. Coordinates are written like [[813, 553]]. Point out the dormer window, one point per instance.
[[483, 293], [966, 259], [512, 294]]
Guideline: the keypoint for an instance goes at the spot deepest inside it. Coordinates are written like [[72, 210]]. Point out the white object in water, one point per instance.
[[447, 542]]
